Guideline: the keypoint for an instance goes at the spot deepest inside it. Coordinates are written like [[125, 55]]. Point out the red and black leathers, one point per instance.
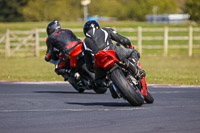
[[63, 40], [101, 39]]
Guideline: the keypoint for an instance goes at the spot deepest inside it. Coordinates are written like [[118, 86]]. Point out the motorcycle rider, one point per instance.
[[60, 41], [98, 39]]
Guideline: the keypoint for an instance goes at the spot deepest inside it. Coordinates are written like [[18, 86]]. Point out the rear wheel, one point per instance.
[[76, 86], [128, 92], [100, 90], [88, 76]]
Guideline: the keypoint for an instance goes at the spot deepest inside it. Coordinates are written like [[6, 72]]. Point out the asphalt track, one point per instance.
[[58, 108]]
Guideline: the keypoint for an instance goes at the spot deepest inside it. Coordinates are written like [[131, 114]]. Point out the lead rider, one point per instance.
[[98, 39]]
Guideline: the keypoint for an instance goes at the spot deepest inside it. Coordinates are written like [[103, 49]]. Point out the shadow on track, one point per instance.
[[63, 92], [108, 104]]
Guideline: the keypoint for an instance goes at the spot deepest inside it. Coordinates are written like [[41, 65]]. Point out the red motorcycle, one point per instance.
[[79, 76], [124, 83]]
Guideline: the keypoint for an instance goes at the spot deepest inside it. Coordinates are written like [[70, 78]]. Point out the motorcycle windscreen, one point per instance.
[[105, 59]]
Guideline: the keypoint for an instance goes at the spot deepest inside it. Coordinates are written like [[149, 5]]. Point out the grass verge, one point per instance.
[[177, 70]]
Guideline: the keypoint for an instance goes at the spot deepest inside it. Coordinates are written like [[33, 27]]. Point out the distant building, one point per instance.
[[168, 18], [101, 18]]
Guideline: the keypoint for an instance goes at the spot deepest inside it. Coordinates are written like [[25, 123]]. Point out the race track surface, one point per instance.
[[58, 108]]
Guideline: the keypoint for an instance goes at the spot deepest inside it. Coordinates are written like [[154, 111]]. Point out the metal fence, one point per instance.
[[28, 42]]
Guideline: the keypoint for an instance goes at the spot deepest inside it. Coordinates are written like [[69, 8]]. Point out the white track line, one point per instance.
[[65, 82], [99, 109], [75, 110], [173, 86], [39, 82]]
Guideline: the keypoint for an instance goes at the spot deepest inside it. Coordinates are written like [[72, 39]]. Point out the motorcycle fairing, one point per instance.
[[73, 55], [105, 59]]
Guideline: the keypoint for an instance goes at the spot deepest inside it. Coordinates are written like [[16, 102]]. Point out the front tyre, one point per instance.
[[127, 91], [149, 98]]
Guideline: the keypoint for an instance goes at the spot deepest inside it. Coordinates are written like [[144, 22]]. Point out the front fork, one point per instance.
[[143, 81]]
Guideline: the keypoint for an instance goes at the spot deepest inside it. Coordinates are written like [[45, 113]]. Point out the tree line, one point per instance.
[[70, 10]]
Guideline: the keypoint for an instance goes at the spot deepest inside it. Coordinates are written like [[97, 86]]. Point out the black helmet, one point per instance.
[[52, 27], [89, 25]]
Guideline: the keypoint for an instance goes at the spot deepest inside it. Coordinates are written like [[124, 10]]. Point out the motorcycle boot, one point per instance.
[[132, 65], [60, 71]]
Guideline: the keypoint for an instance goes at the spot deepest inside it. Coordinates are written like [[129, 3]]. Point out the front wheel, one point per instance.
[[149, 98], [127, 91]]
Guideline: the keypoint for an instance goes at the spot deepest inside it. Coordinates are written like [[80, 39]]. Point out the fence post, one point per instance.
[[190, 40], [7, 46], [140, 39], [166, 41], [37, 50]]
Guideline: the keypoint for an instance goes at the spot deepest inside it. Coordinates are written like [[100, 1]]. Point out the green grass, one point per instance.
[[182, 70], [178, 70], [27, 69]]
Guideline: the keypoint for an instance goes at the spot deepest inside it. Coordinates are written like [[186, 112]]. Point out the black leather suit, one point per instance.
[[63, 40], [101, 39]]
